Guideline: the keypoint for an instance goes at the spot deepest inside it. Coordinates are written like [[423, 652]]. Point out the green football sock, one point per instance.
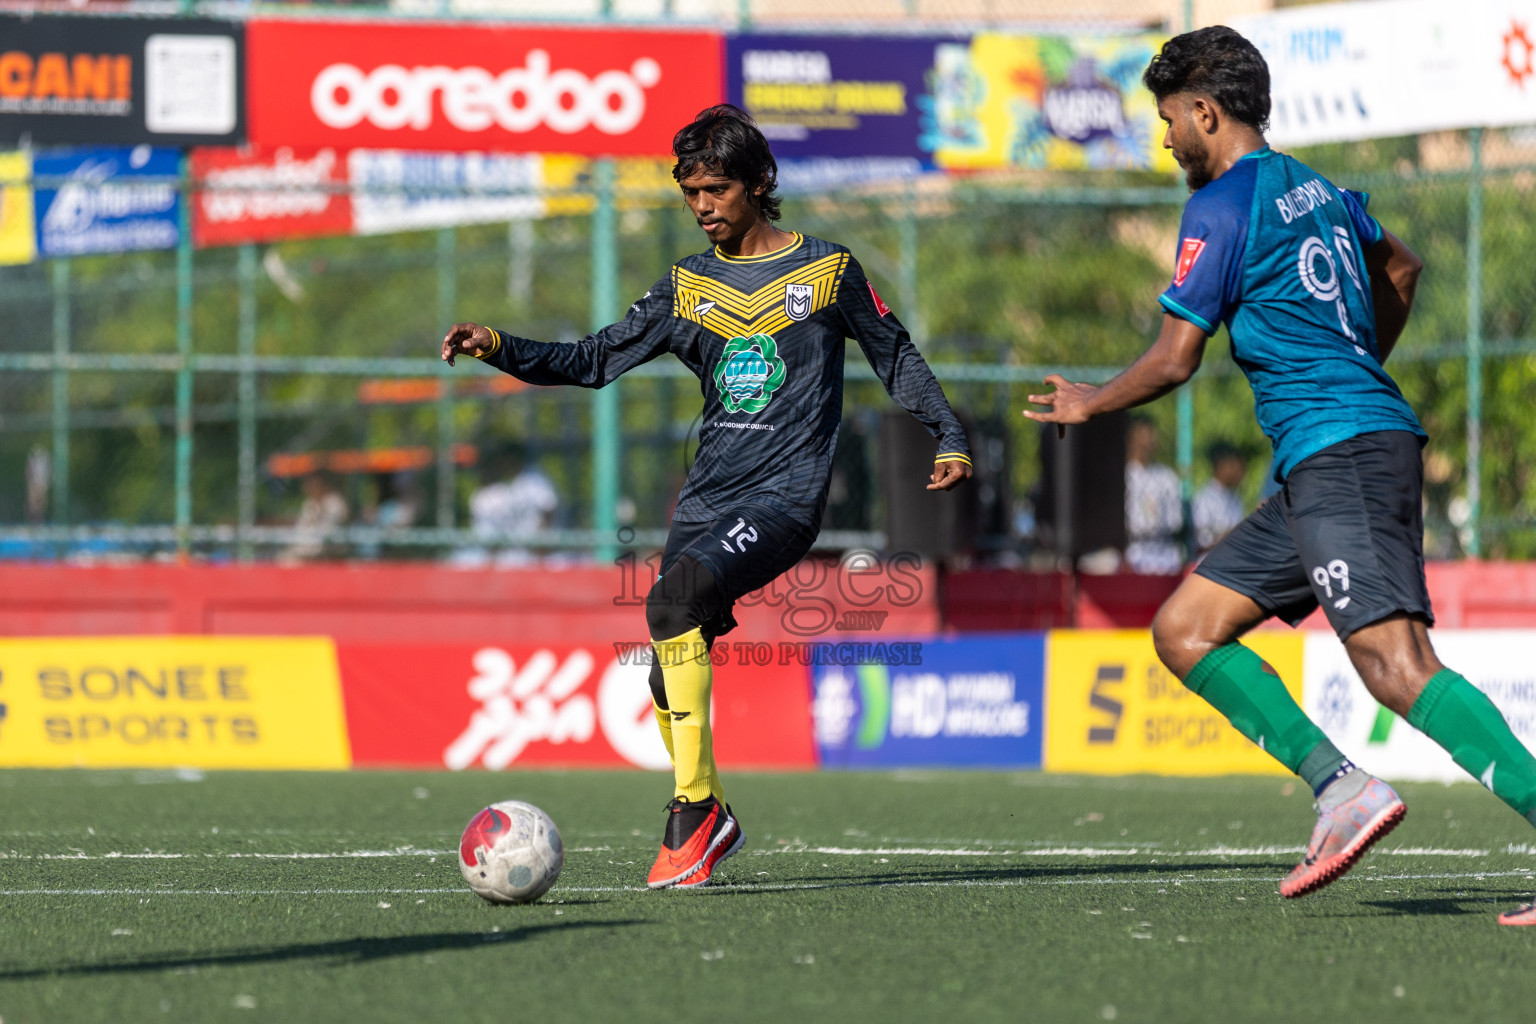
[[1239, 684], [1461, 718]]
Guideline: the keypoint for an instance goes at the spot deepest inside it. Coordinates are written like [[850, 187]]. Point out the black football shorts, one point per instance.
[[1345, 533]]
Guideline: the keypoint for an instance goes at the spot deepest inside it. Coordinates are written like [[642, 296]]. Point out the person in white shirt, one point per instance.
[[519, 501], [324, 510], [1218, 507], [1154, 507]]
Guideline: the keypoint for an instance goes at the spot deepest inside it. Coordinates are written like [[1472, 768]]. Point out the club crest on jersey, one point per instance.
[[748, 372], [797, 300], [1189, 252]]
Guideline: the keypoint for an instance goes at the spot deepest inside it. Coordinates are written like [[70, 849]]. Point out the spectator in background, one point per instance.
[[1218, 507], [1154, 507], [396, 507], [518, 500], [323, 512]]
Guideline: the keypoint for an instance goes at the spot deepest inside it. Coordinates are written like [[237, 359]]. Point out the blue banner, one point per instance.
[[976, 702], [106, 199], [837, 96]]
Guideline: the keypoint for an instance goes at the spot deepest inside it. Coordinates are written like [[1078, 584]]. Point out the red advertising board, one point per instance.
[[600, 92], [497, 707], [262, 195]]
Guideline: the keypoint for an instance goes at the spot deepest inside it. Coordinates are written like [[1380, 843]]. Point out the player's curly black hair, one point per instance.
[[1220, 63], [724, 140]]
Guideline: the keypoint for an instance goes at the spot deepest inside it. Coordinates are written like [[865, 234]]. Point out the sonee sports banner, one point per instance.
[[472, 87], [121, 80]]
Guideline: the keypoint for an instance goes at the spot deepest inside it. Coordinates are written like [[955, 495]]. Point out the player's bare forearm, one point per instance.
[[1170, 361], [1394, 271]]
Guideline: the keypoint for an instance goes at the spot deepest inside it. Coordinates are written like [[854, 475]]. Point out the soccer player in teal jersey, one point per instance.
[[1314, 294], [760, 318]]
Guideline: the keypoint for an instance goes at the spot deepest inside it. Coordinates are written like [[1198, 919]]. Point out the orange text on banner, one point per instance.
[[1112, 708], [193, 701]]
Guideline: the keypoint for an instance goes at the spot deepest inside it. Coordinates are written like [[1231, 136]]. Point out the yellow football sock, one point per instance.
[[687, 678], [664, 723]]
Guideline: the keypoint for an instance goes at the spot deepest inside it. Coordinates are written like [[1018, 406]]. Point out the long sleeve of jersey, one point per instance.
[[898, 363], [599, 358]]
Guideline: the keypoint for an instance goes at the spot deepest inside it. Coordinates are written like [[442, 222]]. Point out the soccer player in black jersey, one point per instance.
[[760, 317]]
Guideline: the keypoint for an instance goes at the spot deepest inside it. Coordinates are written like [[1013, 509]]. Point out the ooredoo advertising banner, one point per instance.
[[167, 702], [500, 707], [974, 702], [253, 195], [107, 199], [474, 87], [1113, 709], [80, 79], [1496, 661]]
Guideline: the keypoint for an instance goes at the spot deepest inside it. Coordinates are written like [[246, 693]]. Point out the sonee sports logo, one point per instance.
[[748, 372], [517, 100]]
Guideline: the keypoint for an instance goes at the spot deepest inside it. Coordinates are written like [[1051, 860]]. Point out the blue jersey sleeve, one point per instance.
[[1208, 275], [1366, 226]]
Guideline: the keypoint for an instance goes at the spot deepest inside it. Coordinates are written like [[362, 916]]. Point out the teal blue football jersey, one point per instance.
[[1276, 252]]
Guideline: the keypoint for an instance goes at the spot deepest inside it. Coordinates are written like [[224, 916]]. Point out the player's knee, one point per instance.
[[1177, 642], [685, 597]]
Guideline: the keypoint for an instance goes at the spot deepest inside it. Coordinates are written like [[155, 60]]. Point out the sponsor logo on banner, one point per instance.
[[206, 702], [477, 87], [839, 97], [107, 199], [405, 191], [972, 702], [252, 195], [1396, 67], [1115, 709], [1058, 102], [1497, 662], [18, 232], [139, 80], [500, 707]]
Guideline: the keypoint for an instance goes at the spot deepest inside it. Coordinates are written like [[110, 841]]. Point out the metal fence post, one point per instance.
[[447, 299], [184, 368], [1475, 345], [605, 401], [245, 397], [61, 328]]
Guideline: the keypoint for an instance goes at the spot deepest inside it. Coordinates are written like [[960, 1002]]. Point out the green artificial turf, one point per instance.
[[921, 896]]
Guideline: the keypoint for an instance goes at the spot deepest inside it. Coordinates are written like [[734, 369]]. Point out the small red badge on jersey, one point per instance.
[[1189, 252], [880, 306]]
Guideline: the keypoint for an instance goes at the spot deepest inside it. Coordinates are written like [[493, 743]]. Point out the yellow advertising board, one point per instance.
[[1113, 709], [163, 702], [18, 232]]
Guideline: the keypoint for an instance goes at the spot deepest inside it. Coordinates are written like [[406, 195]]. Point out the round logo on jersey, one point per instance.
[[748, 372]]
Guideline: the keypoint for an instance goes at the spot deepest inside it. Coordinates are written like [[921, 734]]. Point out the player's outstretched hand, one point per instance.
[[465, 340], [1067, 404], [948, 475]]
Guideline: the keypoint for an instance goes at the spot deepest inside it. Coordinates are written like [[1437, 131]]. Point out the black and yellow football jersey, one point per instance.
[[765, 337]]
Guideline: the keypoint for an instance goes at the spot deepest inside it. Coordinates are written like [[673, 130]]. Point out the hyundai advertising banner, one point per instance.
[[168, 82], [106, 199], [973, 703], [475, 87]]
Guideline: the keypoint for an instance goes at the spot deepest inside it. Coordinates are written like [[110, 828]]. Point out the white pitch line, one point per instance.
[[1085, 852], [768, 886]]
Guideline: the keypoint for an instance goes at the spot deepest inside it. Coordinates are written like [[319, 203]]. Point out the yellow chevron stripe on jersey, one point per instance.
[[731, 313]]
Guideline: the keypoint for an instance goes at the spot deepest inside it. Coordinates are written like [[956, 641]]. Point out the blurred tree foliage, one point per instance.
[[1012, 277]]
